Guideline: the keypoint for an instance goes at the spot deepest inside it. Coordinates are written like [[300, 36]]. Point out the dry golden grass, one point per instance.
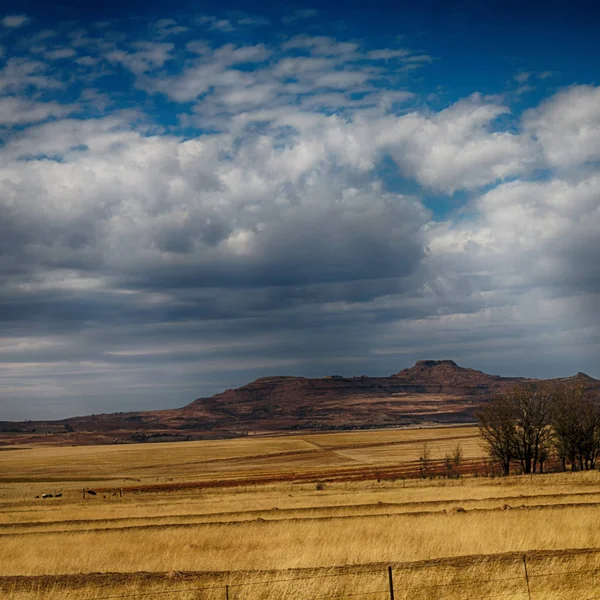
[[171, 544], [304, 543], [205, 459]]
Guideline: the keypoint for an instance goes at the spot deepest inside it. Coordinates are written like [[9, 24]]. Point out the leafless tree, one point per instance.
[[425, 461], [529, 422], [497, 427], [457, 458], [532, 430], [576, 424], [516, 426]]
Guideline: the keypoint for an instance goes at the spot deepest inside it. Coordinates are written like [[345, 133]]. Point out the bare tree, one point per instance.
[[532, 431], [564, 419], [576, 423], [590, 434], [457, 457], [529, 421], [453, 461], [425, 461], [497, 427], [448, 465]]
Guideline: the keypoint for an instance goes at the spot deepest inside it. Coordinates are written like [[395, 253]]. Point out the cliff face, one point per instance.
[[431, 391]]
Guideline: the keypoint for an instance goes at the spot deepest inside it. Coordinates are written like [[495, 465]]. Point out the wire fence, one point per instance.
[[391, 584]]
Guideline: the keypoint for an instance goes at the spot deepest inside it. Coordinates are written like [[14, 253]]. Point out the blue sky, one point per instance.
[[196, 194]]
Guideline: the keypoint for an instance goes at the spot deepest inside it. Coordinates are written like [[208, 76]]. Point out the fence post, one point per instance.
[[226, 592], [391, 580], [526, 576]]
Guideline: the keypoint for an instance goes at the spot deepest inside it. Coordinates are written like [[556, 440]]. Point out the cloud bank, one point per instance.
[[180, 213]]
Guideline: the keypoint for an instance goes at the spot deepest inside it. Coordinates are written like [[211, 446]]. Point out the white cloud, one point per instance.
[[60, 53], [20, 111], [146, 56], [215, 24], [258, 79], [321, 45], [222, 25], [252, 95], [170, 27], [341, 80], [15, 21], [457, 148], [567, 126], [526, 236], [19, 73], [87, 61], [212, 68], [59, 138]]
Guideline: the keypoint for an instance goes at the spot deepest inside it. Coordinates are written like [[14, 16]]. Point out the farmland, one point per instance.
[[297, 516]]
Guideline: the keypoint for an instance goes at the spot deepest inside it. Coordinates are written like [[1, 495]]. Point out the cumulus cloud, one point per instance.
[[458, 147], [568, 126], [530, 247]]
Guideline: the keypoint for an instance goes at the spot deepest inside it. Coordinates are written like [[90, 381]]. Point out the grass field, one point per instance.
[[306, 518]]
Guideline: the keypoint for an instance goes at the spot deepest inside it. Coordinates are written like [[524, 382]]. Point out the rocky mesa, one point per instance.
[[432, 391]]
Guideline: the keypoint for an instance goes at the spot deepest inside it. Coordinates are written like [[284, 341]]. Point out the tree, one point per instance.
[[448, 465], [516, 426], [457, 457], [576, 423], [453, 461], [590, 434], [532, 430], [497, 427], [425, 461], [529, 421], [564, 420]]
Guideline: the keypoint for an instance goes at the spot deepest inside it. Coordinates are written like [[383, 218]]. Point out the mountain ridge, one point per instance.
[[431, 391]]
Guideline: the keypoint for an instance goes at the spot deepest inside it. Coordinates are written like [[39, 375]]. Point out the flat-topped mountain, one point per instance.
[[432, 391]]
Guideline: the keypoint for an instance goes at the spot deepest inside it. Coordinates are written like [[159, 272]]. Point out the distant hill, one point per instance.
[[432, 391]]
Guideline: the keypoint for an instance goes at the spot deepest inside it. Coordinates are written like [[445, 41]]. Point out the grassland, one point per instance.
[[183, 520]]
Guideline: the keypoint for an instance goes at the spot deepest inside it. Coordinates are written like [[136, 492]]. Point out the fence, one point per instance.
[[393, 583]]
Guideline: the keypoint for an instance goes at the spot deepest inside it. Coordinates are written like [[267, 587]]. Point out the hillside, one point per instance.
[[432, 391]]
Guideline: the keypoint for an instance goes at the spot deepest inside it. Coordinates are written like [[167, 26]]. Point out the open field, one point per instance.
[[176, 531]]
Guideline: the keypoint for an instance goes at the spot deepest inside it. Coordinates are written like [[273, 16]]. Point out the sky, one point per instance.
[[197, 194]]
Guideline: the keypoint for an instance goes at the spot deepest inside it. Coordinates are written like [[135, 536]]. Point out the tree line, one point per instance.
[[529, 425]]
